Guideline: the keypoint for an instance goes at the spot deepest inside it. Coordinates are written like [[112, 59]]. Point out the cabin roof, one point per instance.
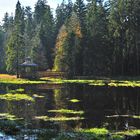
[[28, 63]]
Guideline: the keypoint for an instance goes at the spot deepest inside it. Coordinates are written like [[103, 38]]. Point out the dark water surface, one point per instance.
[[113, 108]]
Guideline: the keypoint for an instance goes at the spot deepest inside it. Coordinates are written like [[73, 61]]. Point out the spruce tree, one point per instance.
[[15, 46], [44, 23], [97, 58]]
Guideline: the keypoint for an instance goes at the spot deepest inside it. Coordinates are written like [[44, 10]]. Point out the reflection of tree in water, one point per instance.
[[96, 102], [126, 103], [62, 101]]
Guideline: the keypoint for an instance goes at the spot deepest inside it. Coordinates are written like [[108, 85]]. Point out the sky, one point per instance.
[[9, 5]]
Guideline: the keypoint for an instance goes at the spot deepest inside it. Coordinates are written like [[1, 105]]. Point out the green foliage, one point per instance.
[[102, 35], [2, 52], [15, 45], [68, 47], [43, 41], [97, 55]]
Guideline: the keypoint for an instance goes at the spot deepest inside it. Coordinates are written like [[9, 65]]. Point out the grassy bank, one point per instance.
[[7, 79]]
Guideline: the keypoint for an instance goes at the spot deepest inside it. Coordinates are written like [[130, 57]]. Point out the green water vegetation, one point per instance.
[[128, 132], [61, 118], [74, 100], [20, 90], [96, 134], [108, 82], [124, 116], [14, 81], [16, 97], [99, 134], [67, 111], [38, 96], [7, 116]]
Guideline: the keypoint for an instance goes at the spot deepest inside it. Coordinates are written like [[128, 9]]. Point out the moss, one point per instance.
[[124, 116], [20, 90], [74, 100], [8, 116], [111, 83], [63, 118], [16, 97], [129, 132], [19, 81], [97, 131], [38, 96], [117, 137], [66, 111], [108, 82]]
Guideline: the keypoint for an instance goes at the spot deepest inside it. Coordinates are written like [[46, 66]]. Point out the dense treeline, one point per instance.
[[97, 38]]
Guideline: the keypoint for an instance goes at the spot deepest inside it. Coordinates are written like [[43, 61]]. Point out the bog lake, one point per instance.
[[41, 111]]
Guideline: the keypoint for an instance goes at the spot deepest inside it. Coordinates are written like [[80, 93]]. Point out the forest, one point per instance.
[[92, 38]]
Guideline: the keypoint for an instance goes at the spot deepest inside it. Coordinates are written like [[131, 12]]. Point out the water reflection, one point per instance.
[[102, 107]]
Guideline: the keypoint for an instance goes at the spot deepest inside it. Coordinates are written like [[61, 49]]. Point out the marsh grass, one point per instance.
[[20, 90], [74, 100], [16, 97], [102, 82], [13, 81], [38, 96], [110, 83], [62, 118], [124, 116], [97, 134], [129, 132], [7, 116], [66, 111]]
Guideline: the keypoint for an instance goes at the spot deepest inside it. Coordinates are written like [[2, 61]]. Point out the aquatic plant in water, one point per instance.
[[8, 116], [16, 97], [74, 100], [67, 111], [124, 116], [63, 118], [38, 96]]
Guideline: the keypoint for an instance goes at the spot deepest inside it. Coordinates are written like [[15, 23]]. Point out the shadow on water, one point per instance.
[[69, 107]]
